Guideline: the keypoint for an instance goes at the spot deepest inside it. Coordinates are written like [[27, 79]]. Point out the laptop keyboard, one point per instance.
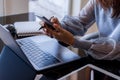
[[36, 55]]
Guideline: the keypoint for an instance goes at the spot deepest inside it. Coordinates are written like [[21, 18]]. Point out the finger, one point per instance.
[[49, 32], [41, 23], [58, 27], [44, 30], [55, 20], [51, 18]]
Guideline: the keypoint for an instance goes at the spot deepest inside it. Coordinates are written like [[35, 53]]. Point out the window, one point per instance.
[[49, 8]]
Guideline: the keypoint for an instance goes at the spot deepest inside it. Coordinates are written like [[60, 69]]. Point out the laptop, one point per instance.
[[50, 53]]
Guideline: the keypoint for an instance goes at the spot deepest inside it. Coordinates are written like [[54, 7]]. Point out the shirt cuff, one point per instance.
[[83, 44]]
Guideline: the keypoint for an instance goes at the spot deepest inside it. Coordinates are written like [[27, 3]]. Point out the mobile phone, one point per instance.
[[47, 22]]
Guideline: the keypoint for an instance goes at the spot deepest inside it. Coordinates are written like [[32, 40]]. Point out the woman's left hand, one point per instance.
[[59, 33], [62, 35]]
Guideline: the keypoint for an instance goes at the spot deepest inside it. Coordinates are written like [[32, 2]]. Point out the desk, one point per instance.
[[100, 67], [72, 75], [10, 19], [103, 71]]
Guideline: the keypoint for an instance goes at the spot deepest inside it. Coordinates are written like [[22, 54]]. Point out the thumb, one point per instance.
[[55, 20]]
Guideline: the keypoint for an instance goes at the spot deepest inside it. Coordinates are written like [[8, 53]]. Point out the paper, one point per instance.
[[27, 28]]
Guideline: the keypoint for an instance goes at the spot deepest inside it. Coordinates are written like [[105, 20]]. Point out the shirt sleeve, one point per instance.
[[78, 25], [105, 48], [102, 48]]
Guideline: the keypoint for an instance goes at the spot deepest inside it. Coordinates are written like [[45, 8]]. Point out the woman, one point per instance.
[[106, 14]]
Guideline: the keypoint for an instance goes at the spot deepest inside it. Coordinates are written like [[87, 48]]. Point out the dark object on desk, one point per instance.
[[12, 30]]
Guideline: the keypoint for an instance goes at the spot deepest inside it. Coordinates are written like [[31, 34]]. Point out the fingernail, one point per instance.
[[41, 27]]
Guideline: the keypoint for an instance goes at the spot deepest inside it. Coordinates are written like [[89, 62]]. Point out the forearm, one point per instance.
[[83, 44], [103, 48]]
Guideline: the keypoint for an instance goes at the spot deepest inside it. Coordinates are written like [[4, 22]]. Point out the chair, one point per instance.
[[110, 68], [14, 68]]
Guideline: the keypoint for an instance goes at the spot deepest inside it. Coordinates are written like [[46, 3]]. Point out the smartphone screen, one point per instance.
[[47, 22]]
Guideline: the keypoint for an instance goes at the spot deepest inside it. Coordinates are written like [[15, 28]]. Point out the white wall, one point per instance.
[[76, 5], [16, 6], [1, 8]]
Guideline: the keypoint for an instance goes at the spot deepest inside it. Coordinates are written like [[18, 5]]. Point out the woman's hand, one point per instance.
[[59, 33]]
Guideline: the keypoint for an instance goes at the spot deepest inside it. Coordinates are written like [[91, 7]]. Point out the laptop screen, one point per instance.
[[9, 41]]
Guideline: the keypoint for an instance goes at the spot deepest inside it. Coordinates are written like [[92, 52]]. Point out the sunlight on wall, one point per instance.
[[48, 8]]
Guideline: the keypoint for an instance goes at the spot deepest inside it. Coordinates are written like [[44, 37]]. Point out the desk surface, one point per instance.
[[74, 75]]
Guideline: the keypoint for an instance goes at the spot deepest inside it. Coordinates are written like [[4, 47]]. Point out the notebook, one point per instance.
[[51, 53], [27, 28]]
